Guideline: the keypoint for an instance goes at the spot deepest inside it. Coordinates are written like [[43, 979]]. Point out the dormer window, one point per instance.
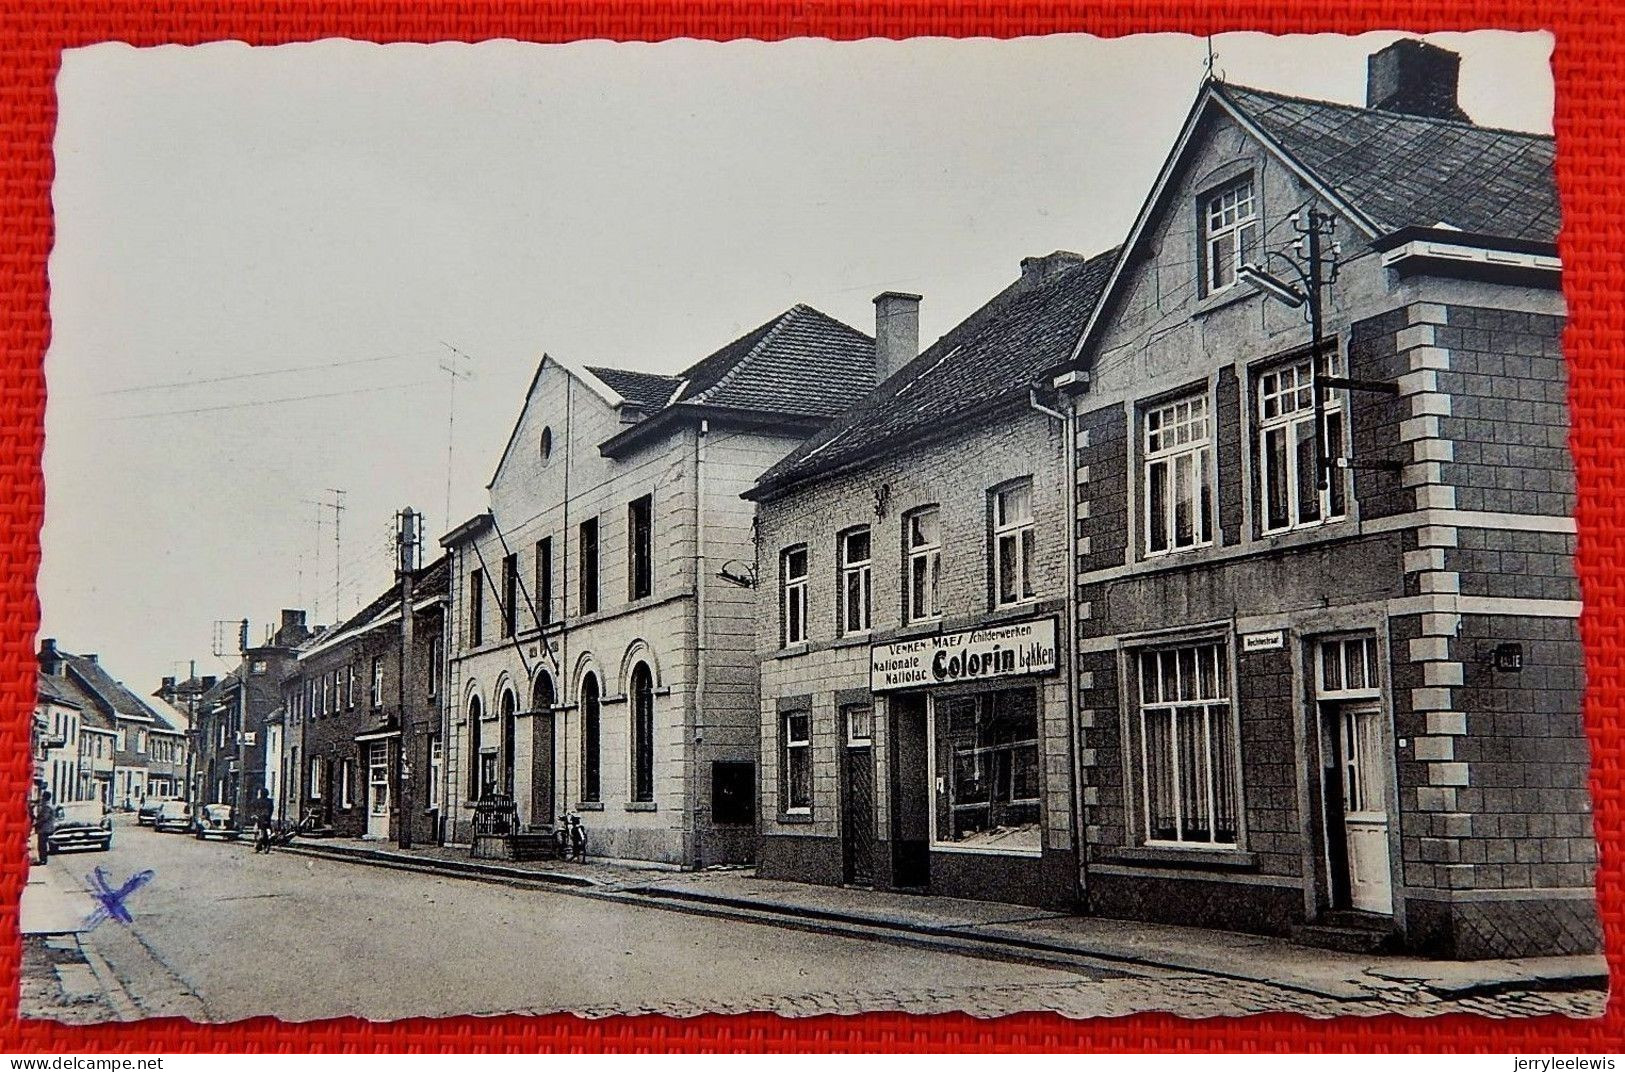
[[1229, 233]]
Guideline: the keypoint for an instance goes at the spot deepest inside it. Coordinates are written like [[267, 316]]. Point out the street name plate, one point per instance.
[[1273, 640]]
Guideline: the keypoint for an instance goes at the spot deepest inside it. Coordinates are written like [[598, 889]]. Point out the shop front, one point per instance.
[[972, 718]]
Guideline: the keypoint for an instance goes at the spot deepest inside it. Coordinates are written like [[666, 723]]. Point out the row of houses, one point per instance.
[[1137, 593], [95, 739]]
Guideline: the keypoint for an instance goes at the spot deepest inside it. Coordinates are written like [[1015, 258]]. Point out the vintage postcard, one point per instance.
[[1061, 524]]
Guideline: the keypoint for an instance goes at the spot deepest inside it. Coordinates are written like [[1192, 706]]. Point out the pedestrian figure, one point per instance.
[[44, 822], [260, 811]]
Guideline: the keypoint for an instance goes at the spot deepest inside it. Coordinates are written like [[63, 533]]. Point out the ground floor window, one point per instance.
[[1186, 755], [797, 760], [987, 770], [488, 774]]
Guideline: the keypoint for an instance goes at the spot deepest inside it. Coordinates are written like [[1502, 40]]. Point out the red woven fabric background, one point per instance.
[[1591, 149]]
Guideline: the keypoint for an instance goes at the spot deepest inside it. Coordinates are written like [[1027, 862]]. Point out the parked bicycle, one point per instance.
[[572, 839], [282, 831]]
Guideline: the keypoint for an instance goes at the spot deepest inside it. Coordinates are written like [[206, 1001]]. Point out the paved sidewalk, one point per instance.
[[61, 978], [53, 903], [1008, 930]]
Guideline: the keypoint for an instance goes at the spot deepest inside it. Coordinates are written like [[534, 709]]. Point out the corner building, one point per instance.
[[915, 720], [1351, 713]]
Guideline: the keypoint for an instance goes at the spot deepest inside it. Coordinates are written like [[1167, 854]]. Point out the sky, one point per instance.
[[266, 257]]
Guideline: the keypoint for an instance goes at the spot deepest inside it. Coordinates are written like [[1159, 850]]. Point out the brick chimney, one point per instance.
[[293, 629], [1414, 78], [50, 660], [1035, 270], [897, 332]]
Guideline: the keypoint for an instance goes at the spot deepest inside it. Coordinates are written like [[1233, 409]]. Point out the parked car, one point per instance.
[[148, 811], [216, 821], [174, 815], [83, 824]]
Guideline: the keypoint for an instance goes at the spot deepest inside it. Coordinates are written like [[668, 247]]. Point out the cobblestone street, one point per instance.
[[318, 931]]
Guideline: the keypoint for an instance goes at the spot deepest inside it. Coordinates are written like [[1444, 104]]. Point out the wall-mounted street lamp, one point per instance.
[[740, 573], [1279, 289]]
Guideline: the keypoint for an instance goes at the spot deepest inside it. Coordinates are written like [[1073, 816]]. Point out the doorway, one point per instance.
[[858, 796], [1356, 774], [910, 795], [541, 753], [1356, 806], [378, 789]]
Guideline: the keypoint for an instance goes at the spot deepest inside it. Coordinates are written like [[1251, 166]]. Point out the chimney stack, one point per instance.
[[292, 630], [897, 332], [1036, 270], [1414, 78], [50, 660]]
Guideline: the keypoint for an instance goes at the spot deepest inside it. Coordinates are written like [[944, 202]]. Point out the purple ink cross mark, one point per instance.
[[110, 902]]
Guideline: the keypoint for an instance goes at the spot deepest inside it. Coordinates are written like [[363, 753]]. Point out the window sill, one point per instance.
[[1177, 552], [922, 627], [985, 850], [797, 818], [853, 640], [589, 805], [641, 805], [1234, 293], [793, 650], [1196, 859]]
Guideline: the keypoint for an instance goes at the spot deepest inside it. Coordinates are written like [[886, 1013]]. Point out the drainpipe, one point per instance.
[[692, 783], [1069, 473]]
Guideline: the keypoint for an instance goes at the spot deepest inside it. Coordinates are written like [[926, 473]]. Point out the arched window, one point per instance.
[[475, 789], [541, 696], [643, 733], [589, 738], [508, 705]]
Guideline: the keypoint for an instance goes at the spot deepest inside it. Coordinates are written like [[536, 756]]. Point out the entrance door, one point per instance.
[[541, 769], [378, 789], [541, 753], [910, 794], [858, 797], [1357, 808]]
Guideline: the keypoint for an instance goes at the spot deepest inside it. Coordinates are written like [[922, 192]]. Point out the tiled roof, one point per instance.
[[111, 695], [1414, 171], [999, 351], [433, 579], [646, 390], [801, 363], [60, 690]]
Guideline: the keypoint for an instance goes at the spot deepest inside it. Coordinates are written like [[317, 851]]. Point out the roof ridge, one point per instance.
[[1434, 119]]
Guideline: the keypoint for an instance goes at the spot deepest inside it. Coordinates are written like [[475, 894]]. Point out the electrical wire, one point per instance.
[[323, 366], [260, 403]]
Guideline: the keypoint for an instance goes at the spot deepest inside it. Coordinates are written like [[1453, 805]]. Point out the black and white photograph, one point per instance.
[[1065, 524]]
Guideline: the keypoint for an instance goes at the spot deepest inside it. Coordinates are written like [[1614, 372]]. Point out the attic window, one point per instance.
[[547, 444], [1229, 233]]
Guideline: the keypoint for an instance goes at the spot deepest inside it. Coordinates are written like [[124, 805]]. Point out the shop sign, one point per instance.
[[1274, 640], [1006, 650]]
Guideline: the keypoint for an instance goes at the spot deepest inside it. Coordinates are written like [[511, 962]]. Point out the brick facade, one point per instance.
[[957, 475], [1473, 836]]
